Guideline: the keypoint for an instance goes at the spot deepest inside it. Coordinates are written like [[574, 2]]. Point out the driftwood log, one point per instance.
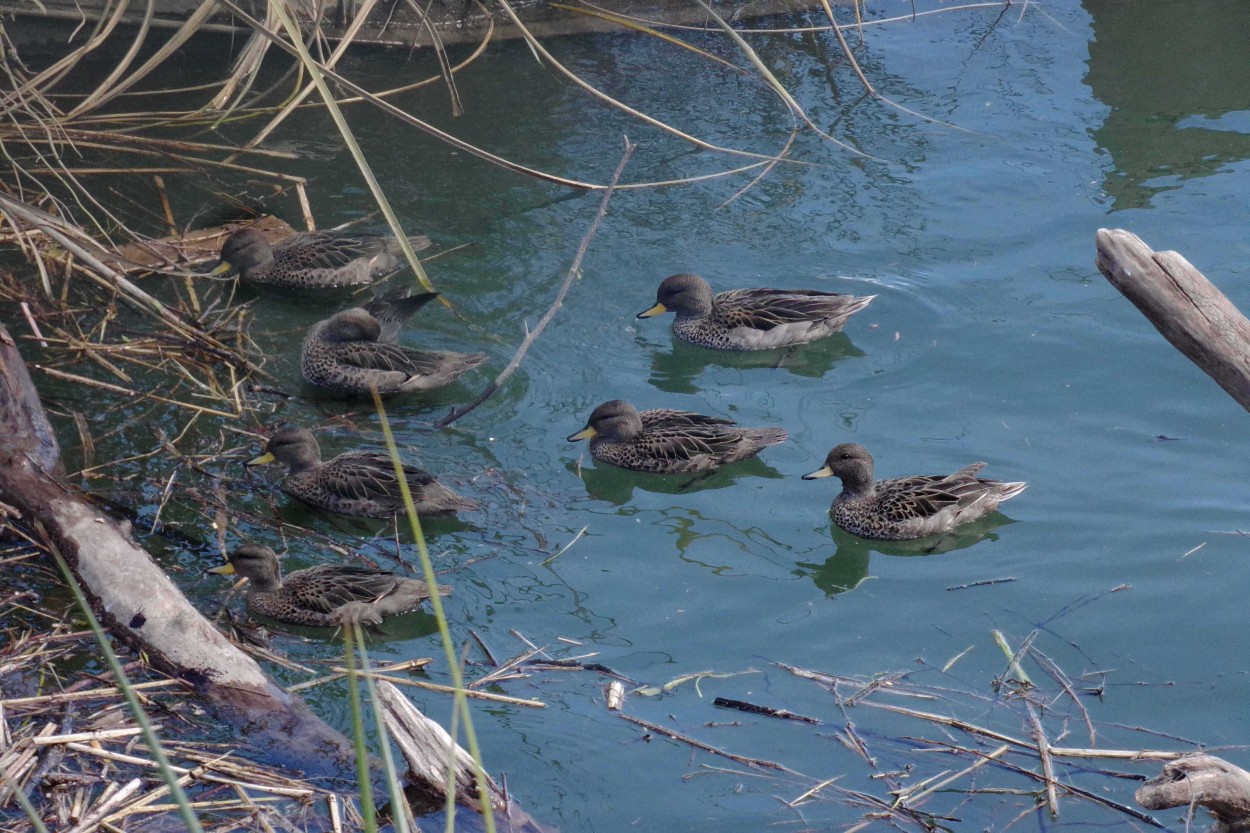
[[427, 748], [1206, 781], [1184, 307], [138, 603], [131, 594]]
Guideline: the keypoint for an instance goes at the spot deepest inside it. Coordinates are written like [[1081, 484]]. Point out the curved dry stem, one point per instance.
[[119, 69], [802, 30], [863, 79], [362, 164], [773, 82], [638, 26], [574, 270], [245, 70], [59, 69], [184, 32], [758, 177], [540, 50], [295, 101]]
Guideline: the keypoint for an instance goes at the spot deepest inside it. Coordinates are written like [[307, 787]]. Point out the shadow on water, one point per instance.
[[674, 370], [616, 486], [847, 568]]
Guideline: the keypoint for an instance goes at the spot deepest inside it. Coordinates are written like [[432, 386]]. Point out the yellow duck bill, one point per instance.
[[819, 473], [221, 267], [261, 460], [223, 570], [584, 434], [658, 309]]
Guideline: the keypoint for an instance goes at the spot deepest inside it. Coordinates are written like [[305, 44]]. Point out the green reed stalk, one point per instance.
[[399, 805], [314, 70], [367, 811], [461, 703]]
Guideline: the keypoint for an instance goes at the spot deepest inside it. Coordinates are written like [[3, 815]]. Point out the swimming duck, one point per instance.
[[313, 260], [354, 351], [360, 483], [751, 319], [669, 442], [907, 507], [324, 596]]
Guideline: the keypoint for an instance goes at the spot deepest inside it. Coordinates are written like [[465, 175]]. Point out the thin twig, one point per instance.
[[1048, 766], [707, 747], [574, 271]]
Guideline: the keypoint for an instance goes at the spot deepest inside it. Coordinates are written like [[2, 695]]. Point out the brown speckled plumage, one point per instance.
[[312, 260], [324, 596], [751, 319], [907, 507], [670, 442], [354, 351], [360, 483]]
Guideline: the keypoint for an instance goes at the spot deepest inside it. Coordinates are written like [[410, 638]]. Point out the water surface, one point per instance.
[[992, 338]]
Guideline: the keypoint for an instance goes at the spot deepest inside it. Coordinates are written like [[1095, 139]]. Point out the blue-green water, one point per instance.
[[992, 338]]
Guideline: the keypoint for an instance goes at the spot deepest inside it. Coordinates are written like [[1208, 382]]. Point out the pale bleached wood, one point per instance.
[[1205, 780], [130, 594], [1186, 308], [425, 746]]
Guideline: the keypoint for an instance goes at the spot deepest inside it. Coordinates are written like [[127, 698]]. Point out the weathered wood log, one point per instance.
[[1185, 307], [132, 596], [426, 746], [1213, 783]]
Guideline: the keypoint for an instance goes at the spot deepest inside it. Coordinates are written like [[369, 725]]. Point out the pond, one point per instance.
[[992, 338]]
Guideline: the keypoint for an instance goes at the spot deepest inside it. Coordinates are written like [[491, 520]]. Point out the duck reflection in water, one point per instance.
[[847, 568], [674, 370], [616, 486]]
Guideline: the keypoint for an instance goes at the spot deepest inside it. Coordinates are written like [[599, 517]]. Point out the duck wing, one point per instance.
[[330, 586], [370, 475], [926, 495], [325, 250], [392, 357], [661, 418], [764, 309], [685, 435]]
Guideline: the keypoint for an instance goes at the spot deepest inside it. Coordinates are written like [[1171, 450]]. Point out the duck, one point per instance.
[[905, 508], [353, 351], [312, 260], [751, 319], [325, 596], [358, 483], [669, 441]]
